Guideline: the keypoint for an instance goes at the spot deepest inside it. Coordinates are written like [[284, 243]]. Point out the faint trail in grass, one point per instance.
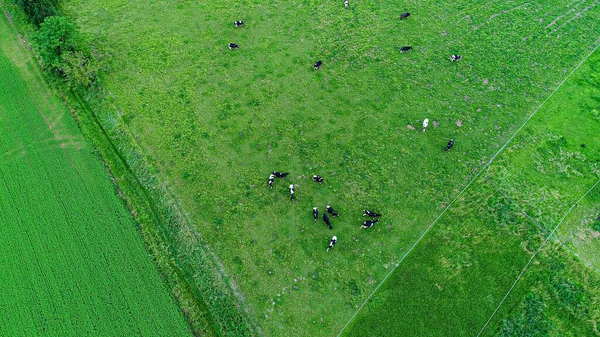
[[489, 162], [533, 257]]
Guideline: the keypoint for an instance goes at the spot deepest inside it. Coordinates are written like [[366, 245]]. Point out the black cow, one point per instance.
[[315, 213], [317, 178], [238, 24], [369, 223], [233, 46], [280, 175], [331, 211], [404, 16], [455, 58], [326, 219], [292, 192], [332, 242], [371, 214], [317, 65], [271, 178], [450, 144], [405, 48]]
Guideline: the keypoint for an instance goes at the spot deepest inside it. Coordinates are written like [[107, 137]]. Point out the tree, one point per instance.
[[38, 10], [64, 52]]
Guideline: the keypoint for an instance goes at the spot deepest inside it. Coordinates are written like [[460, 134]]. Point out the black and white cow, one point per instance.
[[280, 175], [455, 58], [291, 191], [271, 179], [238, 24], [404, 16], [371, 214], [315, 213], [450, 144], [405, 48], [317, 65], [332, 242], [425, 124], [317, 178], [331, 211], [327, 222], [233, 46], [345, 3], [369, 223]]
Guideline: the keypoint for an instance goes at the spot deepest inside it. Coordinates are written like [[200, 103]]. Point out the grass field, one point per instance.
[[71, 260], [211, 124], [464, 268]]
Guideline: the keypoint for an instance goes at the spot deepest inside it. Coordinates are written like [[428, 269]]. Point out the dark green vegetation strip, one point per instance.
[[71, 260], [457, 277], [212, 123]]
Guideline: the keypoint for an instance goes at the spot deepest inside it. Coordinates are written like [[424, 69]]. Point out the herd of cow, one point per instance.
[[328, 208], [318, 64], [375, 216]]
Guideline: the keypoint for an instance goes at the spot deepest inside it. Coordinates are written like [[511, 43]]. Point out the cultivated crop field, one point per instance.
[[71, 260], [208, 124]]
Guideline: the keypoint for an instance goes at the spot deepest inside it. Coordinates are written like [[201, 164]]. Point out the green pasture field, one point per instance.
[[454, 280], [71, 260], [207, 125]]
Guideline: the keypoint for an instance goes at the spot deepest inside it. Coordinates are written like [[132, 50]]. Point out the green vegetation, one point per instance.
[[38, 10], [193, 130], [482, 243], [65, 53], [202, 127], [71, 260]]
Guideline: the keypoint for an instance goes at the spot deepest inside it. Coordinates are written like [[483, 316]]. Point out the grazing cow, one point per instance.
[[345, 3], [371, 214], [315, 213], [238, 24], [292, 192], [404, 16], [369, 223], [327, 222], [450, 144], [280, 175], [455, 58], [331, 211], [425, 123], [317, 178], [233, 46], [405, 48], [317, 65], [271, 178], [333, 241]]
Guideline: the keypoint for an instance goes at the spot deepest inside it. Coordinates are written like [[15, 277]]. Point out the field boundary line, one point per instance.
[[465, 188], [533, 257]]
